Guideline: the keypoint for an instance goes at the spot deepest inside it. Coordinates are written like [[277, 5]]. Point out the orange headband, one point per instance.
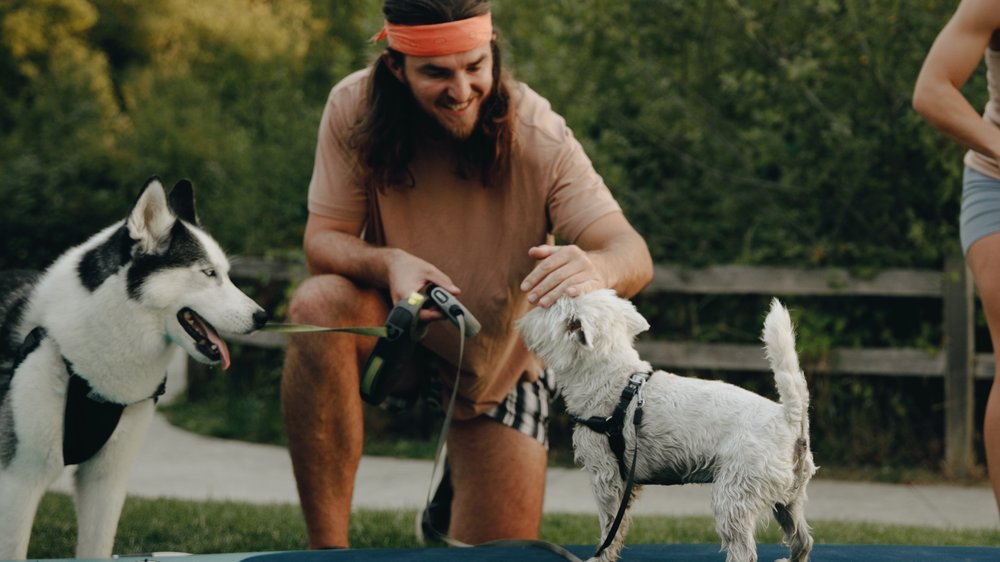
[[440, 38]]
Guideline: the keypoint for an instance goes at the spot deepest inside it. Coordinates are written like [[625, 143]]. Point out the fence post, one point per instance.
[[958, 297]]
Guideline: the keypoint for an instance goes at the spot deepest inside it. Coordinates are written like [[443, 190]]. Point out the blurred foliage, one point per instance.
[[731, 131], [749, 131], [99, 95], [743, 131]]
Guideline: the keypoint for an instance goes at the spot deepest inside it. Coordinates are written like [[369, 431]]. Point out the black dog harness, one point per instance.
[[614, 425], [89, 419]]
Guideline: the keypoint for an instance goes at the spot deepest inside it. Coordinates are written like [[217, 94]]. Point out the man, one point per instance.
[[433, 166]]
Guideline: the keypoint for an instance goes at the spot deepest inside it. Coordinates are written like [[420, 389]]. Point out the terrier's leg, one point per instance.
[[736, 509], [792, 519], [608, 490]]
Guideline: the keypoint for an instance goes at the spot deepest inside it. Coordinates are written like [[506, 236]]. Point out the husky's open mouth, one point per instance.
[[206, 339]]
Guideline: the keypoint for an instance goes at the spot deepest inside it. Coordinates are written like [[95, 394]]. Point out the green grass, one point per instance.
[[214, 527]]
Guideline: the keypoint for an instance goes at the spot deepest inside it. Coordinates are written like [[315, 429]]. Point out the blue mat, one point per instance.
[[636, 553]]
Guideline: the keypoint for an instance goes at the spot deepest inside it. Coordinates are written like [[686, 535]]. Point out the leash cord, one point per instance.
[[627, 496], [380, 331], [286, 328], [438, 457]]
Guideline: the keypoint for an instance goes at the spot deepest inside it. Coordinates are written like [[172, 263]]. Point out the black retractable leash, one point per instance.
[[403, 330], [388, 359]]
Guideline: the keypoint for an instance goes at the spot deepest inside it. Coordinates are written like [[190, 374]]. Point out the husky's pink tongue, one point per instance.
[[221, 344]]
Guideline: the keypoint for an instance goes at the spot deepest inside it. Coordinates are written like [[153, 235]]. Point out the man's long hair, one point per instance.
[[384, 136]]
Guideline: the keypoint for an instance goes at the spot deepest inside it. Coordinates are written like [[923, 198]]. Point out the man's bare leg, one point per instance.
[[499, 479], [321, 403]]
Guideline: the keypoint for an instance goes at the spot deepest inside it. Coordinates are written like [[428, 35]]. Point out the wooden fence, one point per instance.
[[957, 362]]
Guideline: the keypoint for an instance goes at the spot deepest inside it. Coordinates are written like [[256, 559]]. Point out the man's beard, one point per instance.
[[435, 129]]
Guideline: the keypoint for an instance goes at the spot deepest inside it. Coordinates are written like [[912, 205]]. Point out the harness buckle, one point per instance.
[[639, 380]]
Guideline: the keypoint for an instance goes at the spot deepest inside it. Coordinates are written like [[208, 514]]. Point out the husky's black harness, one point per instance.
[[614, 425], [89, 419]]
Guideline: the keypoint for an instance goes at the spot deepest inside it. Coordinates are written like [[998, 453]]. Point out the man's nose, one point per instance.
[[460, 88]]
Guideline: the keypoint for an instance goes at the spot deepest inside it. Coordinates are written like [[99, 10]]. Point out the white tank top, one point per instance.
[[991, 114]]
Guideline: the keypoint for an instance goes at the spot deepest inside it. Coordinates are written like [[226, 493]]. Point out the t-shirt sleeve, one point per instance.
[[577, 195], [335, 190]]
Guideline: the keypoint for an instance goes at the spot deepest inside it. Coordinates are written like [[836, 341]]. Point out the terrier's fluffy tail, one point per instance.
[[779, 345]]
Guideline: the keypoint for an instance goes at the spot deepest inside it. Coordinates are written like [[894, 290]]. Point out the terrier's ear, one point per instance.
[[579, 333], [150, 221], [634, 321]]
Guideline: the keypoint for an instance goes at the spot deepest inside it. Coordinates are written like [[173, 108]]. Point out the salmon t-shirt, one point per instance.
[[478, 236]]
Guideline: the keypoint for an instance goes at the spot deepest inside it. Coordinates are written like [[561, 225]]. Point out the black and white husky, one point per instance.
[[84, 349]]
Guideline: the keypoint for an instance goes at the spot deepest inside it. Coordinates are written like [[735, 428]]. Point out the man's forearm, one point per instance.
[[625, 263], [347, 255]]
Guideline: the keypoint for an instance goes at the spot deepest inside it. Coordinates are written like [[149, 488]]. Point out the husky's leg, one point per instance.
[[101, 483], [20, 492]]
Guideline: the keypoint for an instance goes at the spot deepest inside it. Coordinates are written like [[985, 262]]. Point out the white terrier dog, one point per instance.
[[755, 451]]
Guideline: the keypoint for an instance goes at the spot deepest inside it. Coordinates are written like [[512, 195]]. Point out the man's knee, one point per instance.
[[333, 300]]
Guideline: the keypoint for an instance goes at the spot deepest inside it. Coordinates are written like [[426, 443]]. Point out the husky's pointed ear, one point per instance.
[[150, 221], [182, 202]]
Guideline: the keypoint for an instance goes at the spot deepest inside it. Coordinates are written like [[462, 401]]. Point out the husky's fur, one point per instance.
[[755, 451], [112, 310]]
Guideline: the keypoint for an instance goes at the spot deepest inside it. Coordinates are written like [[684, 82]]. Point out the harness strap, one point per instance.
[[629, 482], [614, 425], [88, 419], [29, 345], [87, 423]]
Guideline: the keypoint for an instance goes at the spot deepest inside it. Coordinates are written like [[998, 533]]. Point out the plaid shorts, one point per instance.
[[525, 409]]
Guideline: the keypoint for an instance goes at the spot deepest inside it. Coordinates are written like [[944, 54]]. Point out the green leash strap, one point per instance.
[[284, 328]]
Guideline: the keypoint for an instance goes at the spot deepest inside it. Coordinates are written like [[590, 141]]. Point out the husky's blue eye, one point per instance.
[[209, 272]]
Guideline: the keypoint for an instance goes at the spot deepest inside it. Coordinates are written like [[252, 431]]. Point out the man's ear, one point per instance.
[[393, 67]]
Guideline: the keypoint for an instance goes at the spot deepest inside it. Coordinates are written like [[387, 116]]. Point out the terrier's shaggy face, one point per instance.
[[754, 450], [594, 327]]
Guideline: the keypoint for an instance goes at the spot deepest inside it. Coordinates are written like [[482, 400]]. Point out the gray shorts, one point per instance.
[[980, 215]]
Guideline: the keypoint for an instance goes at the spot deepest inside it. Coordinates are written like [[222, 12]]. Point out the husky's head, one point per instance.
[[179, 272], [592, 329]]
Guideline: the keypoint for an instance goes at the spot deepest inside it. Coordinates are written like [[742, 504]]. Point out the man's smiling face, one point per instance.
[[450, 88]]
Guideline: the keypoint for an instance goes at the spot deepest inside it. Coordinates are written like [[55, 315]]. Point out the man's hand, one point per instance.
[[407, 273], [561, 270], [608, 254]]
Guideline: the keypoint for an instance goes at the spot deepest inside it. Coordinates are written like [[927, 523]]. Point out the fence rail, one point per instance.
[[957, 362]]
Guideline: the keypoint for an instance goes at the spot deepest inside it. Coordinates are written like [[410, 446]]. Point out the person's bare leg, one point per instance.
[[321, 403], [984, 261], [499, 479]]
